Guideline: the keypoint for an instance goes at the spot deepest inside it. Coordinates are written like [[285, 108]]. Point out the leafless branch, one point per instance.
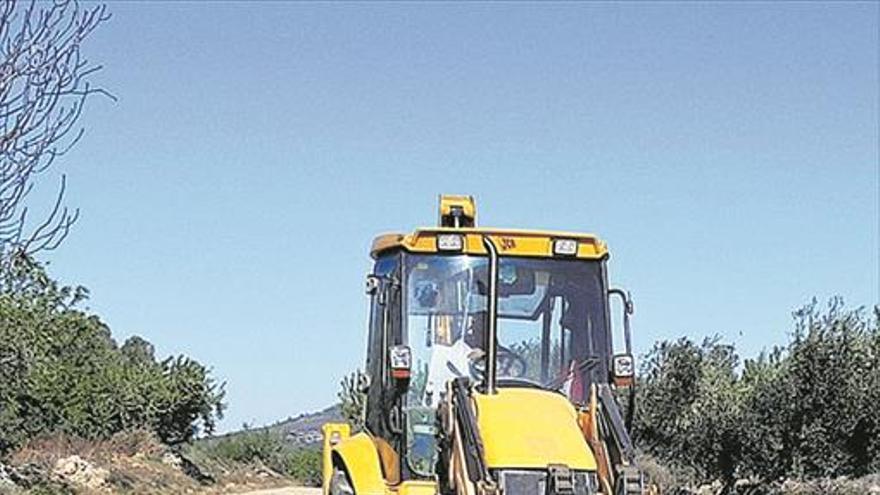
[[44, 84]]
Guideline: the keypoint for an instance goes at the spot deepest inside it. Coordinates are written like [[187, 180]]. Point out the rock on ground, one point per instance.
[[78, 471]]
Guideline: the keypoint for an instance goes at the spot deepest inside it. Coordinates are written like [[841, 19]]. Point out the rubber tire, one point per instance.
[[339, 484]]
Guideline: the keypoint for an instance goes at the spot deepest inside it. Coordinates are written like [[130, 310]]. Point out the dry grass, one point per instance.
[[47, 450], [134, 463]]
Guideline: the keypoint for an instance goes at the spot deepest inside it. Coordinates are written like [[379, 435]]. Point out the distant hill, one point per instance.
[[303, 430]]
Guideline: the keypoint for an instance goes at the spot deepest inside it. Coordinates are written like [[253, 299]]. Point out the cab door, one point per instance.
[[383, 408]]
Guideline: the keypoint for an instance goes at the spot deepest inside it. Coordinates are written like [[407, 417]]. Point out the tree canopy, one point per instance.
[[62, 372], [806, 410]]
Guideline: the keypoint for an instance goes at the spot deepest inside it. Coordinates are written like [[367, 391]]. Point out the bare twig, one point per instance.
[[43, 88]]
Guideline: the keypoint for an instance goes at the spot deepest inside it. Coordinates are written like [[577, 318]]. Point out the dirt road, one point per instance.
[[293, 490]]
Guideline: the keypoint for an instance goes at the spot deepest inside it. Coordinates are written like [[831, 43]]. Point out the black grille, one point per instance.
[[534, 482]]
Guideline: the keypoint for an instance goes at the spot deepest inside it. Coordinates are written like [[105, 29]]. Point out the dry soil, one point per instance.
[[293, 490]]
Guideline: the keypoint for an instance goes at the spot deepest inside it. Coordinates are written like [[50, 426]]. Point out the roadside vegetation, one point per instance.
[[263, 448], [61, 371], [802, 418], [80, 412], [75, 405]]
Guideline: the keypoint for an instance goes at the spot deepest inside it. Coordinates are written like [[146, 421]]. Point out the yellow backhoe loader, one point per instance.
[[490, 368]]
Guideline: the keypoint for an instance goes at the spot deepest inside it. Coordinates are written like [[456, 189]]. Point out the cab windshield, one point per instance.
[[551, 329]]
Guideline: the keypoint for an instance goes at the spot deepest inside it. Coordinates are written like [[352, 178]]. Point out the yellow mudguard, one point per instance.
[[358, 456]]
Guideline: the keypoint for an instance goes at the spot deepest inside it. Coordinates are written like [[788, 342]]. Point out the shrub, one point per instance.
[[688, 406], [304, 464], [267, 448], [830, 410], [62, 372], [808, 410], [352, 400], [249, 446]]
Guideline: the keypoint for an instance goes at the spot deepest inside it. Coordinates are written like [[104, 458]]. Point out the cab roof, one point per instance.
[[510, 242]]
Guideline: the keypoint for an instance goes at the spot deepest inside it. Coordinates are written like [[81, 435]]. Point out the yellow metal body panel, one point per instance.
[[360, 458], [466, 203], [510, 242], [333, 433], [528, 428], [417, 488]]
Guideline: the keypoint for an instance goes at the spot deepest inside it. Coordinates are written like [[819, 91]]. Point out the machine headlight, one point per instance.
[[335, 438], [449, 242], [567, 247]]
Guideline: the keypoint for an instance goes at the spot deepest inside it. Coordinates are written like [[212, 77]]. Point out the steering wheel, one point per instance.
[[510, 363]]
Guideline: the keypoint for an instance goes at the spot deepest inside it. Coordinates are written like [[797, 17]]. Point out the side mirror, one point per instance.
[[400, 360], [623, 367], [623, 370]]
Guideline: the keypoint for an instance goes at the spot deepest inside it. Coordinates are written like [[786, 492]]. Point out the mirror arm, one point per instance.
[[627, 310]]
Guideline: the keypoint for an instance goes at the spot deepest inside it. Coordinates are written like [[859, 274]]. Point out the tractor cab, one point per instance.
[[510, 315]]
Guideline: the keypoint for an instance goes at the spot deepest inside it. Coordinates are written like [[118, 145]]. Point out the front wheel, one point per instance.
[[339, 484]]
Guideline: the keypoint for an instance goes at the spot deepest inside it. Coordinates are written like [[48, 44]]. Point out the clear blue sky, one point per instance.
[[726, 152]]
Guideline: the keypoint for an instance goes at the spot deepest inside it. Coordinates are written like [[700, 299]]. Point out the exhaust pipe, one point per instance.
[[491, 336]]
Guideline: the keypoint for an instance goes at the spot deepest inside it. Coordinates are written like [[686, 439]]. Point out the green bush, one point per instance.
[[268, 448], [62, 372], [248, 447], [304, 464], [808, 410], [822, 396], [352, 401], [689, 401]]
